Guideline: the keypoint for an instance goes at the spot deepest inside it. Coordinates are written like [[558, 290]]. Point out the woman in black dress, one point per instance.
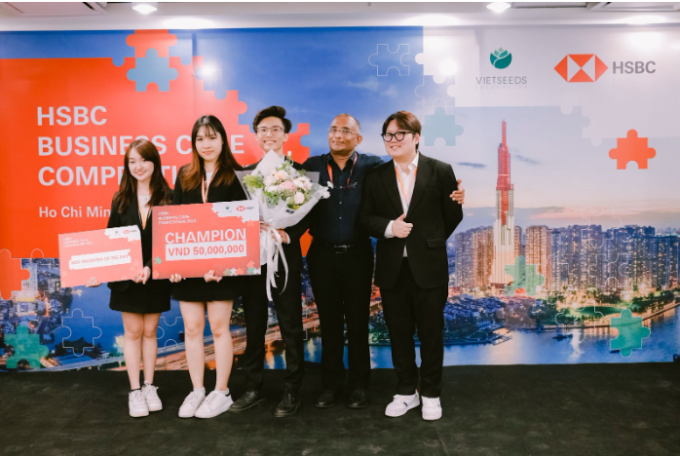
[[209, 178], [140, 300]]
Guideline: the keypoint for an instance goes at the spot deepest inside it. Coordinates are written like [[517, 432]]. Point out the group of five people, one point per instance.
[[411, 205]]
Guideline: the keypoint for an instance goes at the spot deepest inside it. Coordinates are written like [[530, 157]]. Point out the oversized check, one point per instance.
[[192, 239], [108, 255]]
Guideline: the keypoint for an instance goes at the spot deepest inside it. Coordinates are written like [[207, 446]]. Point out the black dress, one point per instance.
[[197, 289], [128, 296]]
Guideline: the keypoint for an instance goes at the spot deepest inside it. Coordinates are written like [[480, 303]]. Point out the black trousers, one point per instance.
[[408, 308], [288, 307], [342, 282]]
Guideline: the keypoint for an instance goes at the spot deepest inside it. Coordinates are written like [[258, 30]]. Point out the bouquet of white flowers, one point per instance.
[[286, 196]]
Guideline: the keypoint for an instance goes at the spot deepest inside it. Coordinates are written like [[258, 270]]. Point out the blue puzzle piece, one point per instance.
[[385, 60], [152, 69], [78, 332], [431, 92], [631, 333], [441, 125], [210, 72]]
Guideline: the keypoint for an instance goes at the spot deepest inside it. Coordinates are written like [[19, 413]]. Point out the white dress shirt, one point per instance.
[[408, 179]]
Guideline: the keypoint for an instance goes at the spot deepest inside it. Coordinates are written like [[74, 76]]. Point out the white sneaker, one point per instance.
[[432, 408], [191, 404], [151, 396], [402, 404], [137, 404], [213, 405]]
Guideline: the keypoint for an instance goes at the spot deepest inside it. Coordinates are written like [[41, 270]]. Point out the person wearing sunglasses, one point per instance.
[[407, 206]]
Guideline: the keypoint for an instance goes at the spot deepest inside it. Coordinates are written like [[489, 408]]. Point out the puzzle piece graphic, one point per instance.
[[210, 72], [79, 324], [143, 40], [432, 92], [26, 347], [152, 69], [165, 324], [184, 47], [384, 60], [632, 148], [524, 276], [441, 125], [631, 333], [12, 274]]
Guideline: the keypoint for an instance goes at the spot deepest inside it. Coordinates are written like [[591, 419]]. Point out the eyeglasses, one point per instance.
[[344, 131], [398, 135], [264, 130]]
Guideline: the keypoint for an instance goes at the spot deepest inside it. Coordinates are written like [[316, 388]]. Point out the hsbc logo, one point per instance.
[[581, 68], [589, 67]]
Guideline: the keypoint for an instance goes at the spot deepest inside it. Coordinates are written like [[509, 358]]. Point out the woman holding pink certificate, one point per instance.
[[141, 300], [209, 178]]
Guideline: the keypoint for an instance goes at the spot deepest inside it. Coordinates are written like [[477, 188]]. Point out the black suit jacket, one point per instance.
[[433, 214], [292, 250], [128, 218]]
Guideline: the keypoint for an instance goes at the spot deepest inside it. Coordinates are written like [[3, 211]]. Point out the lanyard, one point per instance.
[[401, 184], [146, 216], [330, 170], [205, 187]]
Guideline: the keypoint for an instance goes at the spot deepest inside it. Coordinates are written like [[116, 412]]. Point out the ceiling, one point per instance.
[[185, 15]]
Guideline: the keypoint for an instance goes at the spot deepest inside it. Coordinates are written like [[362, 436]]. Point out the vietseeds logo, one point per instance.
[[501, 58], [581, 68]]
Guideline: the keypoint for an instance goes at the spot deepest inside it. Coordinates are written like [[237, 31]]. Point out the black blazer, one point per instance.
[[216, 193], [293, 251], [433, 214], [132, 217]]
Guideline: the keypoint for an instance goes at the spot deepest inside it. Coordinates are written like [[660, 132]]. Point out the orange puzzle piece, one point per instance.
[[12, 274], [143, 40], [632, 148]]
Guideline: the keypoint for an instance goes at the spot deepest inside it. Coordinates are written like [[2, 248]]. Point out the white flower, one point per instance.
[[269, 180], [281, 175], [272, 188], [299, 198]]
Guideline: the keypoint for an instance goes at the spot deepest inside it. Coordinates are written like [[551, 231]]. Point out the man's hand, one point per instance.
[[92, 283], [143, 276], [284, 236], [400, 228], [459, 195]]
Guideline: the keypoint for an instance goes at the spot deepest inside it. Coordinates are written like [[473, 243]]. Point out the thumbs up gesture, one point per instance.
[[400, 228]]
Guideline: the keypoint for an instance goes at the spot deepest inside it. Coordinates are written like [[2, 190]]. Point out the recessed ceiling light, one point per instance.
[[498, 7], [644, 20], [145, 7]]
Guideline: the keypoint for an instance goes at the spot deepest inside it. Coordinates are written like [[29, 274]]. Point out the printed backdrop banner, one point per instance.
[[565, 138]]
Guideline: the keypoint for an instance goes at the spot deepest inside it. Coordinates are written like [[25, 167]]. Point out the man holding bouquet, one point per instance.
[[406, 204], [272, 128]]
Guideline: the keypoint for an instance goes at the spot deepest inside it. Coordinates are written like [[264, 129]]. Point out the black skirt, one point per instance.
[[198, 290], [152, 297]]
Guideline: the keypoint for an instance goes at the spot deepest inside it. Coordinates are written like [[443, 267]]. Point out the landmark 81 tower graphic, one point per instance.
[[504, 226]]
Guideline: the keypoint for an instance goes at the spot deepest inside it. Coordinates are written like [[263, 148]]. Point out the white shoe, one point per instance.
[[432, 408], [137, 404], [191, 404], [213, 405], [151, 396], [402, 404]]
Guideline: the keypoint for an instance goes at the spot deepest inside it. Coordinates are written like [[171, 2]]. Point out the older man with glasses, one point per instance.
[[340, 262]]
